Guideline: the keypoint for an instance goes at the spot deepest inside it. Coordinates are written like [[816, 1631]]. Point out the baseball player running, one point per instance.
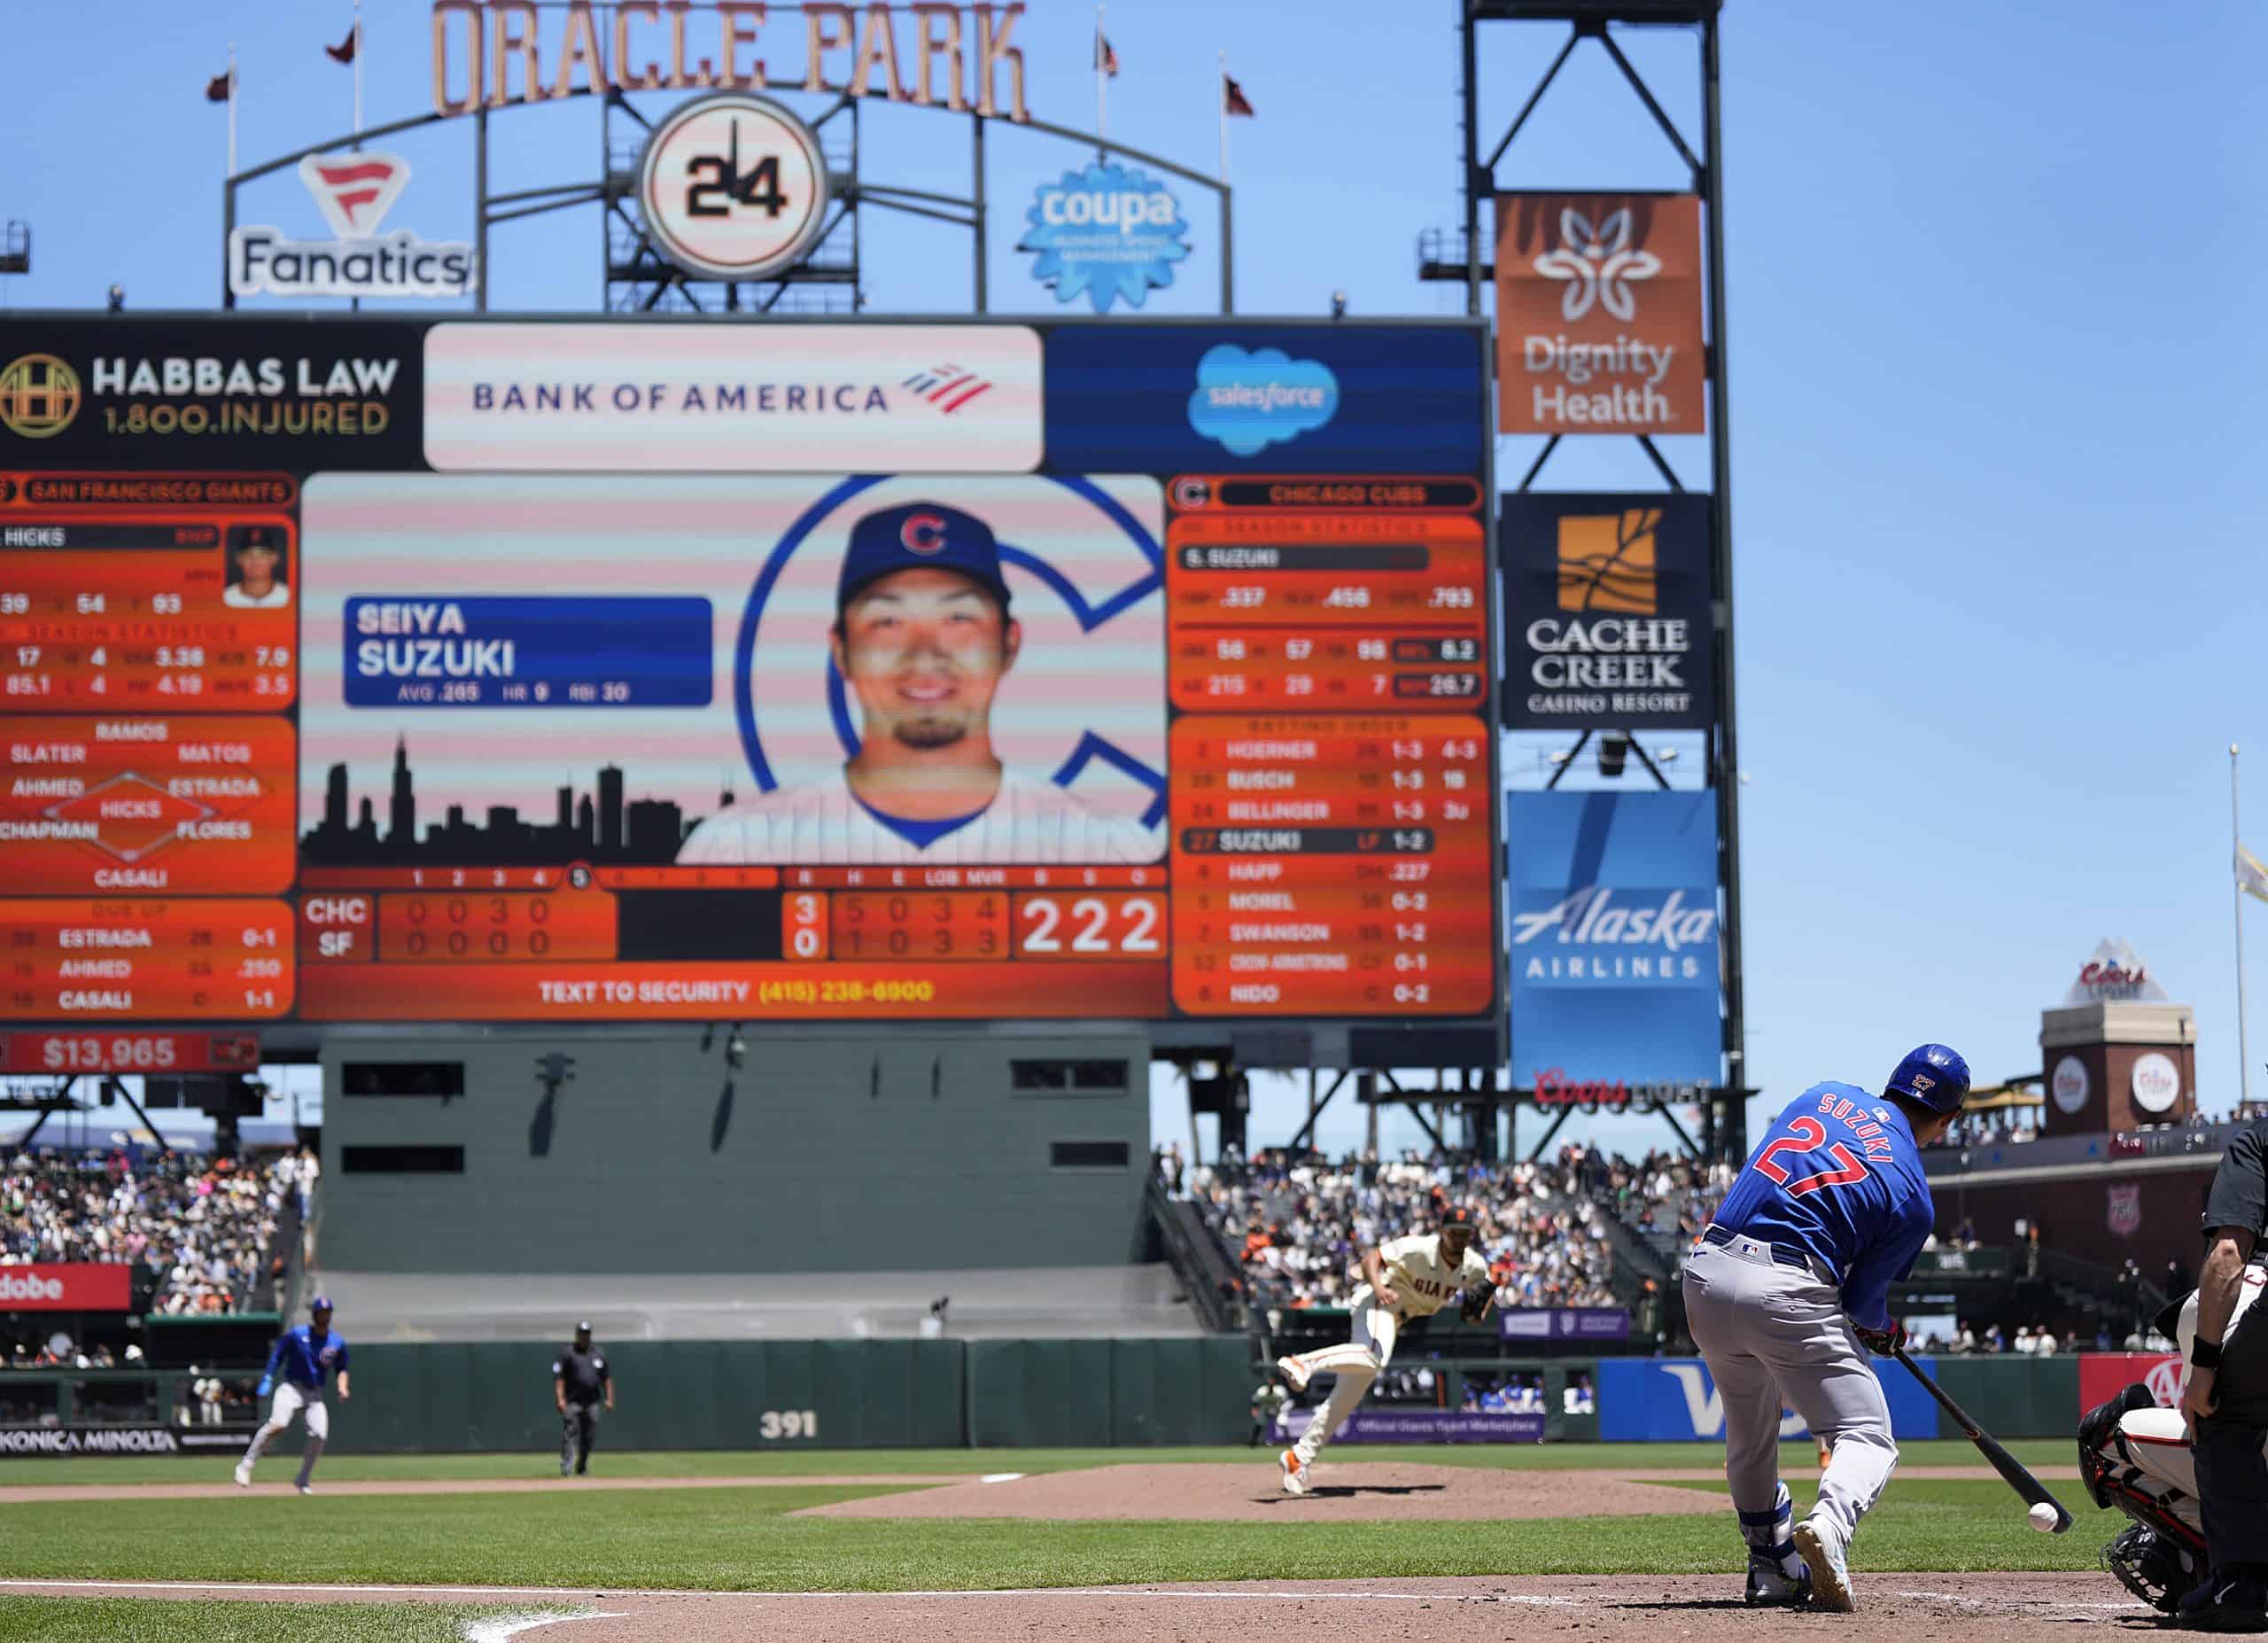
[[304, 1356], [1786, 1293], [1404, 1278]]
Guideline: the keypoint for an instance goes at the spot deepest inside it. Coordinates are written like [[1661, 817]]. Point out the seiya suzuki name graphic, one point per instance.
[[1639, 942], [353, 192]]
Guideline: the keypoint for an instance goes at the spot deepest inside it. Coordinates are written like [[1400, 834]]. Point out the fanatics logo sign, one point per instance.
[[353, 191]]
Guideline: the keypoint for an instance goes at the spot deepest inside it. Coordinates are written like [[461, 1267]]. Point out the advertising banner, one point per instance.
[[174, 399], [1562, 1323], [65, 1287], [1613, 937], [33, 1441], [2103, 1376], [1109, 233], [1675, 1400], [1608, 621], [1598, 314], [1383, 1424]]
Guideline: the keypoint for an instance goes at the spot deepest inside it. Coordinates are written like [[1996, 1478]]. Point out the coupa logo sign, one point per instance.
[[1251, 400], [1602, 935], [353, 191]]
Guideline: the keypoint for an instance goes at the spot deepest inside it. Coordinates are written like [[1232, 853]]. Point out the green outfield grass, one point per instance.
[[743, 1540], [279, 1467], [136, 1620]]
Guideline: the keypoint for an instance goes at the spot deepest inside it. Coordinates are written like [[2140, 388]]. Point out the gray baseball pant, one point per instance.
[[1773, 1333]]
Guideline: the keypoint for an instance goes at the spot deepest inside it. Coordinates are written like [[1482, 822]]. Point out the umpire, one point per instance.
[[2226, 1399], [579, 1382]]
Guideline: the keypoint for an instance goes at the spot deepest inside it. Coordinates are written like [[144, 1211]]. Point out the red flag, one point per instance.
[[344, 52], [217, 89], [1105, 55], [1233, 101]]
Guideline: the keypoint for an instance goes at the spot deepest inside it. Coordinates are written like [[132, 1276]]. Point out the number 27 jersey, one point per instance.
[[1839, 1176]]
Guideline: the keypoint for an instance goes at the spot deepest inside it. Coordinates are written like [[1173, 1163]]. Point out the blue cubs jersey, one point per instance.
[[306, 1358], [1840, 1177]]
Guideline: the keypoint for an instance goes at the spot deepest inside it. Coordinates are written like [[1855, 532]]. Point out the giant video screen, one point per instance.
[[402, 671]]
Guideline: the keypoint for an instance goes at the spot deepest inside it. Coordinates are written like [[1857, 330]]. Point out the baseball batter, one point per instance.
[[305, 1356], [922, 638], [2137, 1458], [1404, 1278], [1787, 1293]]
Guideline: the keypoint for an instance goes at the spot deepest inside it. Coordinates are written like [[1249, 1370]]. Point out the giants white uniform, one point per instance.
[[1423, 1283], [1029, 820]]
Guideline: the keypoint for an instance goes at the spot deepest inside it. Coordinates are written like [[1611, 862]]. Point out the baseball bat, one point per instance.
[[2011, 1470]]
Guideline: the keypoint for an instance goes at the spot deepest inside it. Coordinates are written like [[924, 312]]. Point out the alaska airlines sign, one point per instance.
[[492, 54]]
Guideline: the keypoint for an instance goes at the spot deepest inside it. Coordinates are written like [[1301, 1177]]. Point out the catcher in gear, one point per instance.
[[1404, 1278], [2137, 1457]]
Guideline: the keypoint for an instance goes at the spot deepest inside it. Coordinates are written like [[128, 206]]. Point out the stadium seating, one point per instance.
[[197, 1231], [1297, 1226]]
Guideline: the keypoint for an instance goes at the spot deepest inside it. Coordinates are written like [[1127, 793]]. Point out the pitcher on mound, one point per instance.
[[1404, 1278]]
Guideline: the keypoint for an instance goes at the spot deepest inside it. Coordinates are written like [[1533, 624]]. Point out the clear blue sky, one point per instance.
[[1996, 404]]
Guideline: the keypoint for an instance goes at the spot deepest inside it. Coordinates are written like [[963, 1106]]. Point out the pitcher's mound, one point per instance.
[[1346, 1491]]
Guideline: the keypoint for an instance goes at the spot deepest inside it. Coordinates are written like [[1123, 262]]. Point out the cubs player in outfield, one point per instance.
[[922, 638], [304, 1357], [1786, 1293], [1402, 1279]]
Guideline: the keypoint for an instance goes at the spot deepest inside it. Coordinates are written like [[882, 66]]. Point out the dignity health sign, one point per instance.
[[1598, 314], [1612, 937]]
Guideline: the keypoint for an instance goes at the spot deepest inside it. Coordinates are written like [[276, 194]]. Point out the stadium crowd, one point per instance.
[[197, 1230], [1297, 1225]]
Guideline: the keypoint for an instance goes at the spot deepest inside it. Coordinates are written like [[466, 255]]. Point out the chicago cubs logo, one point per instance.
[[924, 534]]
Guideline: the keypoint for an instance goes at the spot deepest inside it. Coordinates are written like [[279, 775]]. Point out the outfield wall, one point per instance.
[[467, 1397]]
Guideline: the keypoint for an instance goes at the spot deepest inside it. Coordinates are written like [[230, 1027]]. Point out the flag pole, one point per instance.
[[1221, 95], [2236, 897], [232, 108], [1102, 80], [358, 73]]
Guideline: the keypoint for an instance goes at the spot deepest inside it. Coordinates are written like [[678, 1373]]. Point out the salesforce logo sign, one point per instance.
[[1107, 233], [1249, 400]]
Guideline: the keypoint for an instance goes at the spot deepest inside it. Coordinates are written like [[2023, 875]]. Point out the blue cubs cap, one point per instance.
[[1932, 1076], [916, 535], [321, 1304]]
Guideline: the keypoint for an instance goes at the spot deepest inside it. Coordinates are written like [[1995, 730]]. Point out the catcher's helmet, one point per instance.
[[1934, 1077]]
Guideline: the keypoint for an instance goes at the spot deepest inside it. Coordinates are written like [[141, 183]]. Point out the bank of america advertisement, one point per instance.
[[1607, 615], [1613, 937]]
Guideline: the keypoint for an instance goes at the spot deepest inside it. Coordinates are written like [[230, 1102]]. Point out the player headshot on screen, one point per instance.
[[923, 637], [255, 579]]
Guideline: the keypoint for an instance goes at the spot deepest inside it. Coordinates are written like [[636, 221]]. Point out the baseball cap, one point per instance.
[[1458, 1217], [257, 536], [920, 534], [583, 1327]]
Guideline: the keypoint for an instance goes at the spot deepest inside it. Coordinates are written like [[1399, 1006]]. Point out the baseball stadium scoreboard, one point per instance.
[[396, 670]]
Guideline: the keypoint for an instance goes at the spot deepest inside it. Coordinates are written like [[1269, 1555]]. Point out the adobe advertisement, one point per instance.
[[808, 671]]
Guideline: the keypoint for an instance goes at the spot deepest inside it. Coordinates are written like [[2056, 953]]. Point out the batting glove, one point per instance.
[[1884, 1342], [266, 1385]]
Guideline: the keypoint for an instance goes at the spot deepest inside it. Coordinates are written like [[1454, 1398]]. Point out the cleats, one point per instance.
[[1824, 1553], [1295, 1474]]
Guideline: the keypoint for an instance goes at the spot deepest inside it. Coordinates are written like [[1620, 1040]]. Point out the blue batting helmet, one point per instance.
[[321, 1304], [1933, 1076]]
